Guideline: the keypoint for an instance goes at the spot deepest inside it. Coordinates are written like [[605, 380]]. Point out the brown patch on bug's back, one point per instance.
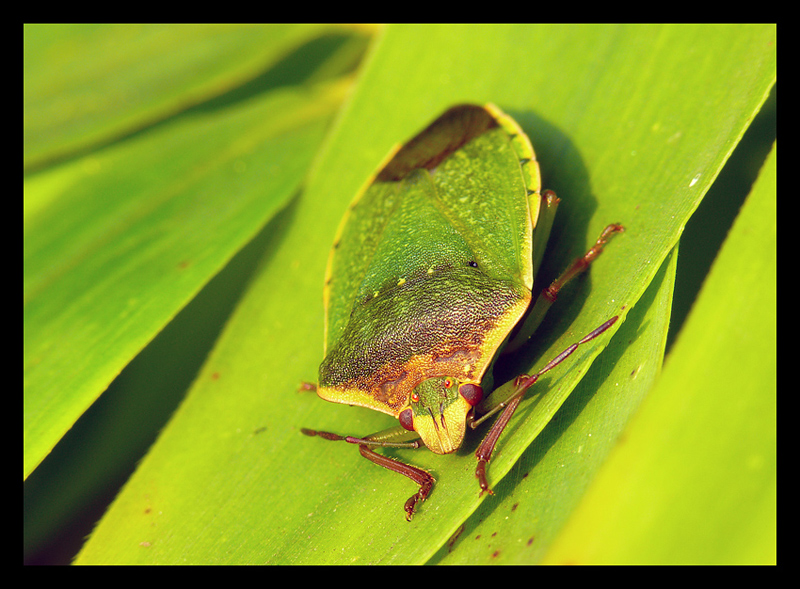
[[448, 325], [455, 128]]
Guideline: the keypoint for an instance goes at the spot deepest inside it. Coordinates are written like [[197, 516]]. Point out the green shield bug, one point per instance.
[[432, 268]]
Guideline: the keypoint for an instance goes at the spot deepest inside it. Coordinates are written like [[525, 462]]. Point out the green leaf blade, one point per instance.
[[86, 85], [699, 498], [126, 237]]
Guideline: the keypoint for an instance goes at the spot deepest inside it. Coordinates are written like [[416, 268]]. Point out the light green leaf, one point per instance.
[[118, 241], [85, 85], [695, 479]]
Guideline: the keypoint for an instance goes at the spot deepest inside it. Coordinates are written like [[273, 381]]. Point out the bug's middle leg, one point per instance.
[[549, 295]]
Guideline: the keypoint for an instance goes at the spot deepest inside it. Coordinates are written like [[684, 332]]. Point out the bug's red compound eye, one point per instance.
[[415, 397], [406, 418], [472, 393], [448, 382]]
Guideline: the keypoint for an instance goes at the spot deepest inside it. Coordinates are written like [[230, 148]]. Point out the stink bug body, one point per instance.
[[432, 268]]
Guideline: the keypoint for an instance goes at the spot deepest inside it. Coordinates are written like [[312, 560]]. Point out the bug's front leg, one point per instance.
[[520, 385], [486, 448], [394, 438], [419, 476]]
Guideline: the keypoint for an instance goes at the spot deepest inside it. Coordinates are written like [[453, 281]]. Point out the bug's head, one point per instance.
[[438, 412]]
